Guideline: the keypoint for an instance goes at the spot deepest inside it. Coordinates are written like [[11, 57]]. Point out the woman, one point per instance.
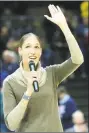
[[29, 111]]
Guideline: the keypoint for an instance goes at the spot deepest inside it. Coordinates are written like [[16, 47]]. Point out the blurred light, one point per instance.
[[84, 9]]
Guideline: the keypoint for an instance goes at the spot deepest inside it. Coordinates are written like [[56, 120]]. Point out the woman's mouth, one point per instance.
[[32, 57]]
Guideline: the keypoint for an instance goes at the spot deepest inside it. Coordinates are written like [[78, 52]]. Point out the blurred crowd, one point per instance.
[[73, 119], [55, 49]]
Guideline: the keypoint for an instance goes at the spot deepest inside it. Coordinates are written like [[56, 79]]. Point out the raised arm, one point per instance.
[[63, 70], [58, 18]]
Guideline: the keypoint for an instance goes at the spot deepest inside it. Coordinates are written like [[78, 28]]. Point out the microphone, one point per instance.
[[35, 82]]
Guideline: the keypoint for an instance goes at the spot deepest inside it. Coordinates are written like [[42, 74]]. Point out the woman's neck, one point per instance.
[[25, 67]]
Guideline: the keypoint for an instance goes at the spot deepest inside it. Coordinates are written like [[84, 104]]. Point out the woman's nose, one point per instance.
[[32, 51]]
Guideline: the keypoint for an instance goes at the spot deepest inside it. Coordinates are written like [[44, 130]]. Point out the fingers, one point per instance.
[[58, 8], [55, 12], [54, 8], [49, 18], [51, 10]]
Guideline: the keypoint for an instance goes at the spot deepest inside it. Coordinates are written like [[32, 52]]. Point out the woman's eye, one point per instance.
[[36, 46], [27, 46], [30, 47]]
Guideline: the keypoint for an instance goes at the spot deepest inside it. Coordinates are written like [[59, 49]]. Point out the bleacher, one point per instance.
[[78, 89]]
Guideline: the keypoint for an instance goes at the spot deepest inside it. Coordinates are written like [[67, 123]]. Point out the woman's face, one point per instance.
[[31, 50]]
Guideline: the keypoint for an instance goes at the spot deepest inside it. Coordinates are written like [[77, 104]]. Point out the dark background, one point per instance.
[[20, 6]]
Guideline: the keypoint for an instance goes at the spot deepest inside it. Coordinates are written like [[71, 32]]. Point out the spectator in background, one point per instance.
[[3, 127], [47, 57], [61, 49], [12, 44], [82, 35], [49, 29], [4, 35], [66, 107], [79, 123], [9, 64]]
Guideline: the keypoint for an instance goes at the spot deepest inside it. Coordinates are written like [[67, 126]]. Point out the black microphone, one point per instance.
[[35, 82]]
